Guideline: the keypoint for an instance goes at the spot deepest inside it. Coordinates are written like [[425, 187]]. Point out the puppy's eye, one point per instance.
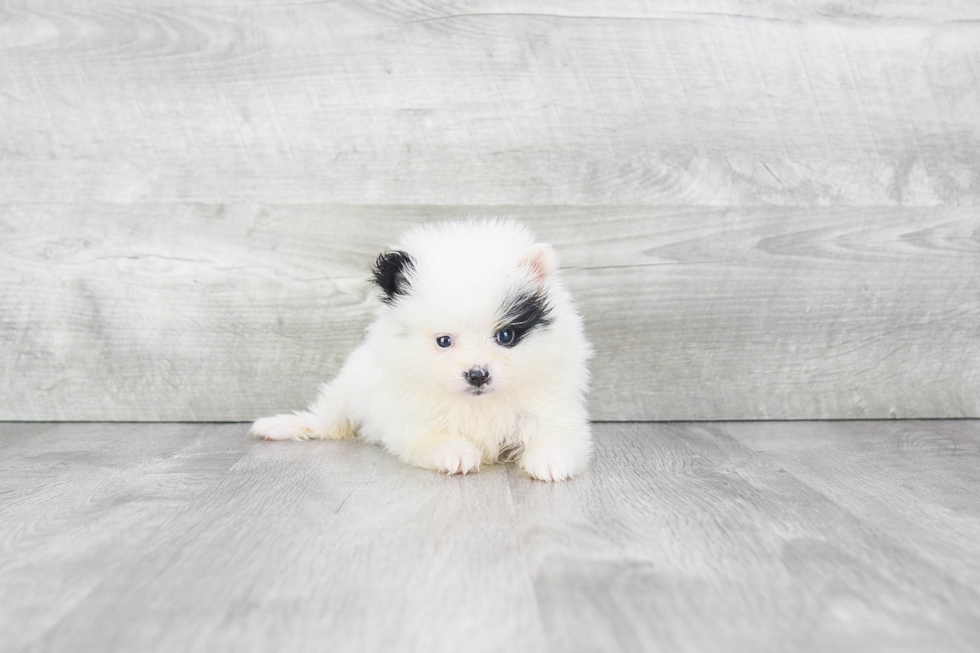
[[505, 337], [444, 341]]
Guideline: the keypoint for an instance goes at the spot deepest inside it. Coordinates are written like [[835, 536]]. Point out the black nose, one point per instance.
[[477, 376]]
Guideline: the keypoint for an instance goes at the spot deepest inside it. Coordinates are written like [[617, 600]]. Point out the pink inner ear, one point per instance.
[[541, 260]]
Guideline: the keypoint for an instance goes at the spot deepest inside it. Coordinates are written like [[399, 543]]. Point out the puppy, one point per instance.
[[476, 355]]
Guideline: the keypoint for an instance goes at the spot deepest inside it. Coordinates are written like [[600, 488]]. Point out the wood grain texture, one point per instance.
[[331, 546], [684, 537], [715, 102], [200, 312], [933, 511], [79, 502], [192, 193]]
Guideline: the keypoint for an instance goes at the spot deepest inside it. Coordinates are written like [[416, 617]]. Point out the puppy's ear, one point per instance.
[[541, 260], [390, 273]]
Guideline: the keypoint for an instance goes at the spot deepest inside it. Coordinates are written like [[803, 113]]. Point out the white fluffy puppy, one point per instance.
[[476, 355]]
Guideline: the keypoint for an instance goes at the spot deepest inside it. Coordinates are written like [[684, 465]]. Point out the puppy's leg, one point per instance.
[[439, 451], [456, 456], [558, 450], [326, 418]]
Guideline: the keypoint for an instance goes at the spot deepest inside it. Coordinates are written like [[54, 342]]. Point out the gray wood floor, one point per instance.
[[804, 536]]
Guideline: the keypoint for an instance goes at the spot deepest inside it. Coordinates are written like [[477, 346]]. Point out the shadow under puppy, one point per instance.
[[476, 355]]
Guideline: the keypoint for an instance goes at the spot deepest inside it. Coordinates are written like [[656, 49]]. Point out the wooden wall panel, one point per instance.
[[210, 312], [767, 209]]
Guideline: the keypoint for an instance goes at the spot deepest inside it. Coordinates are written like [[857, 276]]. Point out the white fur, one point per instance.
[[398, 388]]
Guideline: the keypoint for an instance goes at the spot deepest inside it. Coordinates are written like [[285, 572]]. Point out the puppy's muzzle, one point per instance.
[[477, 377]]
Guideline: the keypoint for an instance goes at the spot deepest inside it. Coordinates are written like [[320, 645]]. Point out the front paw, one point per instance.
[[458, 457], [549, 464]]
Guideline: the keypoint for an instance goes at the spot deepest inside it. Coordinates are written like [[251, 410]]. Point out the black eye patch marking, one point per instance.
[[527, 311], [390, 274]]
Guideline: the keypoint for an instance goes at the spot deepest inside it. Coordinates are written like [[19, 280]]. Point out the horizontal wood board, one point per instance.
[[713, 102], [810, 537], [200, 312]]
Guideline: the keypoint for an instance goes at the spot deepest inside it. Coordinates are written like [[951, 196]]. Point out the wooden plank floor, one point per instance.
[[767, 536]]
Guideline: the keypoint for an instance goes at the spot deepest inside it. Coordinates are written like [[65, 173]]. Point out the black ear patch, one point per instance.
[[390, 273]]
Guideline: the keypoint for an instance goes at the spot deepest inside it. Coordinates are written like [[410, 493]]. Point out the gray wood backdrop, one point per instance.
[[765, 209]]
